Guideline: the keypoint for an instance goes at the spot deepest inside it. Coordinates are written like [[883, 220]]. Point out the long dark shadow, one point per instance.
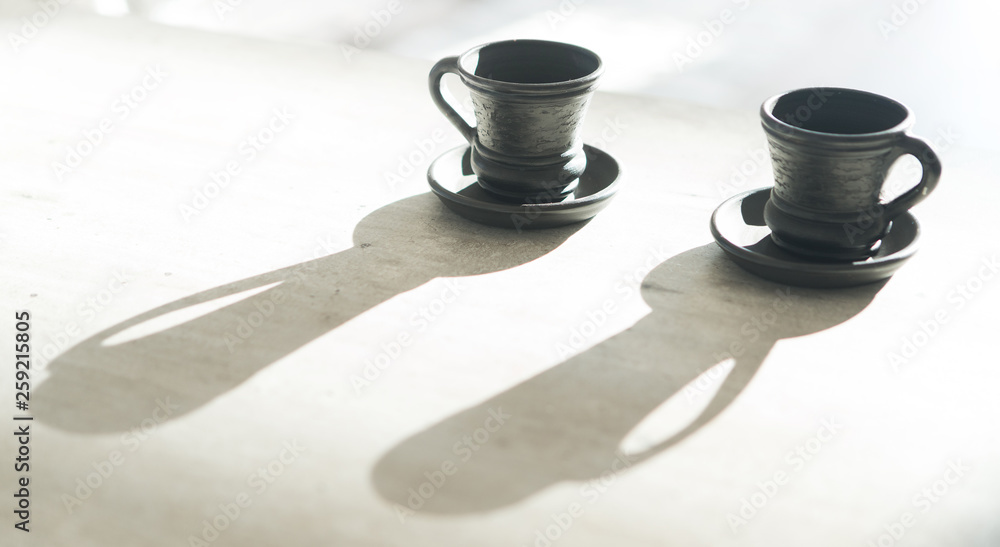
[[568, 423], [97, 387]]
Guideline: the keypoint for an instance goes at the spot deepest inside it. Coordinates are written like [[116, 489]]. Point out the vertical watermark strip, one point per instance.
[[22, 422]]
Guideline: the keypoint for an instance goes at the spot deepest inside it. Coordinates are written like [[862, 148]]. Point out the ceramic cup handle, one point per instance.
[[444, 66], [932, 172]]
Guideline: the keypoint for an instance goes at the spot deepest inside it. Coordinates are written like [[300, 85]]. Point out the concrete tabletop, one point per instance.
[[251, 324]]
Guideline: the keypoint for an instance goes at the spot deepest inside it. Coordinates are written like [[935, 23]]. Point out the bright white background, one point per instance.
[[940, 57]]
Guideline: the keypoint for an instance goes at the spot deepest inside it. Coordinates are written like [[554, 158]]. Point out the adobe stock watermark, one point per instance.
[[91, 307], [813, 103], [33, 24], [122, 108], [259, 481], [563, 12], [612, 130], [417, 158], [248, 149], [595, 318], [264, 307], [707, 380], [956, 300], [899, 16], [741, 175], [420, 321], [705, 38], [757, 326], [752, 330], [225, 7], [247, 325], [591, 492], [464, 449], [922, 502], [377, 22], [104, 469], [941, 142], [757, 159], [794, 461], [423, 151]]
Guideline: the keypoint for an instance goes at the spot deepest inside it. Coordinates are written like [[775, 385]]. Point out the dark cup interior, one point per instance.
[[531, 62], [838, 111]]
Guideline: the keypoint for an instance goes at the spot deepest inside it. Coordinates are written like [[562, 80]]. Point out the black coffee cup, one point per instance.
[[831, 149], [529, 97]]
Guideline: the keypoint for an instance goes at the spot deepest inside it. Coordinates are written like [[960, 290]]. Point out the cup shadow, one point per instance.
[[568, 423], [102, 386]]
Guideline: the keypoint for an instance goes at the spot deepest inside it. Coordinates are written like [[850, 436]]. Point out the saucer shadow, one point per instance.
[[568, 423], [101, 385]]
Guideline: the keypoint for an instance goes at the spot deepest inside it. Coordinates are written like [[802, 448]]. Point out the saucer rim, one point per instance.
[[499, 206], [841, 270]]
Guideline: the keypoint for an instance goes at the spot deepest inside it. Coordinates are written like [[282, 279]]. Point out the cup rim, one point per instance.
[[485, 84], [775, 125]]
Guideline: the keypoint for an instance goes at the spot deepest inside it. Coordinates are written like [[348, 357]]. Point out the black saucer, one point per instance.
[[738, 227], [451, 178]]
